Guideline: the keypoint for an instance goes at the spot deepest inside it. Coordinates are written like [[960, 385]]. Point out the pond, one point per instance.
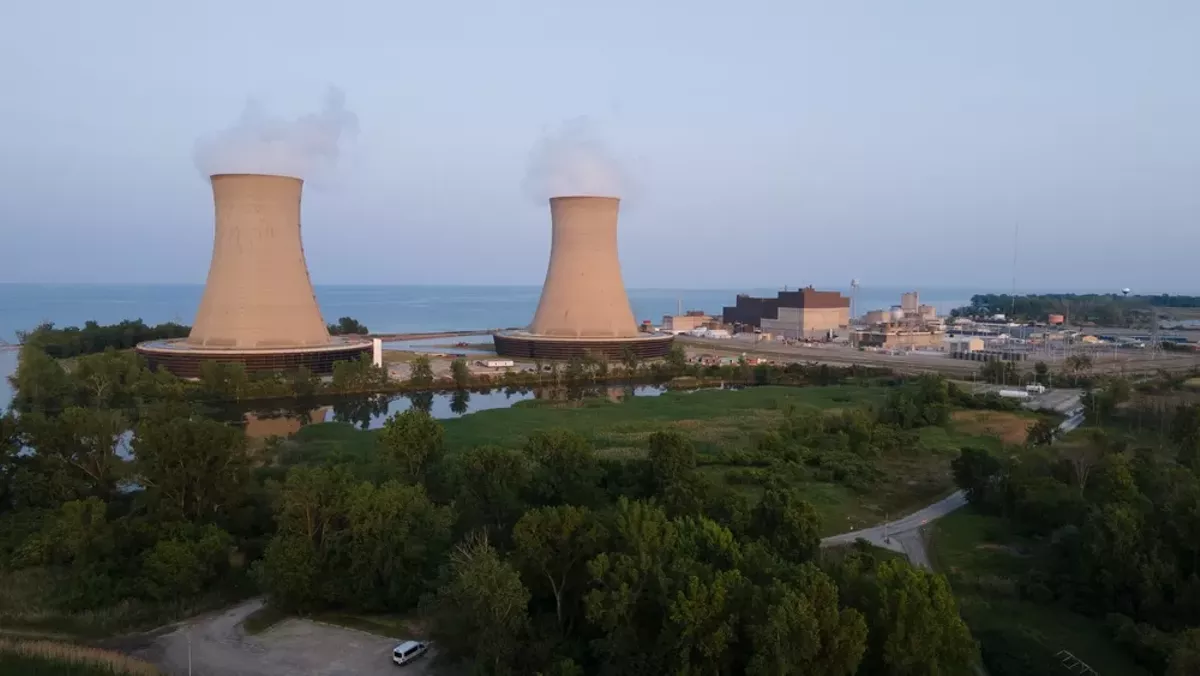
[[371, 412]]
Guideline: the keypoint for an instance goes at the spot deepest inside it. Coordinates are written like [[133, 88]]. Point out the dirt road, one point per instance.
[[217, 646]]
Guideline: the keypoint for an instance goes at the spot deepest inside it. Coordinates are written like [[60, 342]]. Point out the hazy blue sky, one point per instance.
[[771, 143]]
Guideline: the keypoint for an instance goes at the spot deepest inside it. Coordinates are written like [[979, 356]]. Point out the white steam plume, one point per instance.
[[573, 160], [258, 143]]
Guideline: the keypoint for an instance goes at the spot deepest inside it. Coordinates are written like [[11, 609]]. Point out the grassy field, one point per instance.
[[983, 560], [713, 420]]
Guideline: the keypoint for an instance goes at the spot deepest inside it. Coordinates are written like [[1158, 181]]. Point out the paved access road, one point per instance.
[[904, 535], [217, 646]]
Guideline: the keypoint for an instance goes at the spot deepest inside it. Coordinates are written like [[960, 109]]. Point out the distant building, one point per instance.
[[962, 344], [899, 338], [1056, 320], [877, 317], [694, 319], [806, 313]]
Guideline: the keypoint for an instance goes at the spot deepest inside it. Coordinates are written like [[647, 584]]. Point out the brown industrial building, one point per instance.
[[805, 313], [584, 308], [894, 338], [258, 307]]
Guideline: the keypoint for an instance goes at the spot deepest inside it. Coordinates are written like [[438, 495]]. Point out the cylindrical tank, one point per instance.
[[258, 293], [584, 295], [897, 313]]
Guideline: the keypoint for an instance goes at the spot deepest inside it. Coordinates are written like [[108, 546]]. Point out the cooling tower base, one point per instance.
[[185, 361], [522, 345]]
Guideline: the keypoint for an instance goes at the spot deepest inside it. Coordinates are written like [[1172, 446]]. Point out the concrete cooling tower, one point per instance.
[[584, 308], [258, 307]]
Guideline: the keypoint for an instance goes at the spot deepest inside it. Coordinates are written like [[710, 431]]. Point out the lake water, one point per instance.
[[384, 309], [373, 412]]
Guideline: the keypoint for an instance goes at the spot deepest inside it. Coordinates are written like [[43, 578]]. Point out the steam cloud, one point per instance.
[[573, 160], [261, 144]]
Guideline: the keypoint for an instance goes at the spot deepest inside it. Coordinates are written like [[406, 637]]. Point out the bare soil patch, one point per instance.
[[1010, 428]]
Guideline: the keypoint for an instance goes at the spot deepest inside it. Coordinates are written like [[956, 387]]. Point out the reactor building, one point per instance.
[[258, 307], [584, 309]]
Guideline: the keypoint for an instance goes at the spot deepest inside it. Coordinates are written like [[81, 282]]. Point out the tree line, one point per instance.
[[546, 558], [92, 337], [1106, 309], [1115, 525]]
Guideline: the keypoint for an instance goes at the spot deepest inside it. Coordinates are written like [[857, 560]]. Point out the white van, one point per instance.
[[408, 651]]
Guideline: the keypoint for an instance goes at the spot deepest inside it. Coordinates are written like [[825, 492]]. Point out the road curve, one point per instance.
[[904, 535]]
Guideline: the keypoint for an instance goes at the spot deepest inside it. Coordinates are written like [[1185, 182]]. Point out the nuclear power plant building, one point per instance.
[[258, 307], [584, 309], [802, 314]]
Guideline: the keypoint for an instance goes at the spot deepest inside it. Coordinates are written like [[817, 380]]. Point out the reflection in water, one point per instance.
[[370, 412], [282, 423]]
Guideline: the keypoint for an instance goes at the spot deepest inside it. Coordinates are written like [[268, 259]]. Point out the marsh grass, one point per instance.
[[49, 658]]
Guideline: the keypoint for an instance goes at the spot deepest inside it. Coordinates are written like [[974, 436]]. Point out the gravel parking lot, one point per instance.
[[217, 646]]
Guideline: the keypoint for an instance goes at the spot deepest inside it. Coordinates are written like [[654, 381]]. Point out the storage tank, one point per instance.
[[897, 313]]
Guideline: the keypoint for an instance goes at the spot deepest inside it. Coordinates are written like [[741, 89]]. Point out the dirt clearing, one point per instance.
[[1011, 428]]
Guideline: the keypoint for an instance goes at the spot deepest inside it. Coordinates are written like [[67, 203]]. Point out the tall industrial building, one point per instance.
[[804, 313], [258, 307], [583, 308]]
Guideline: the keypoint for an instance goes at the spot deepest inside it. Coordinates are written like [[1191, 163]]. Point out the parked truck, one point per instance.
[[1035, 388], [1014, 394]]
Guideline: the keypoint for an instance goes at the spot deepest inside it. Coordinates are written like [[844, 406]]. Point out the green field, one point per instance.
[[714, 420], [983, 561]]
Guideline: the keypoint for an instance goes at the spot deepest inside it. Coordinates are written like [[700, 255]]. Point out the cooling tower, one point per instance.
[[258, 293], [583, 308], [258, 307], [583, 296]]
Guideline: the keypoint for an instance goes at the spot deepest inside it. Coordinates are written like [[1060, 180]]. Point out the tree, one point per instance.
[[393, 541], [788, 523], [553, 543], [310, 507], [913, 623], [1185, 660], [420, 371], [193, 470], [78, 453], [185, 563], [566, 470], [1185, 432], [999, 372], [411, 443], [677, 358], [347, 326], [461, 373], [480, 611], [975, 470], [490, 481], [1041, 373], [460, 402], [1078, 363], [802, 630], [1041, 433], [40, 383], [672, 458]]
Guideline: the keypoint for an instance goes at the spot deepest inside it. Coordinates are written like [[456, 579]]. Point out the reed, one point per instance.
[[49, 658]]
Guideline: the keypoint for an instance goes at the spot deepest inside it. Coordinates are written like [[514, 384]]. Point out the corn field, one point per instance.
[[47, 658]]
